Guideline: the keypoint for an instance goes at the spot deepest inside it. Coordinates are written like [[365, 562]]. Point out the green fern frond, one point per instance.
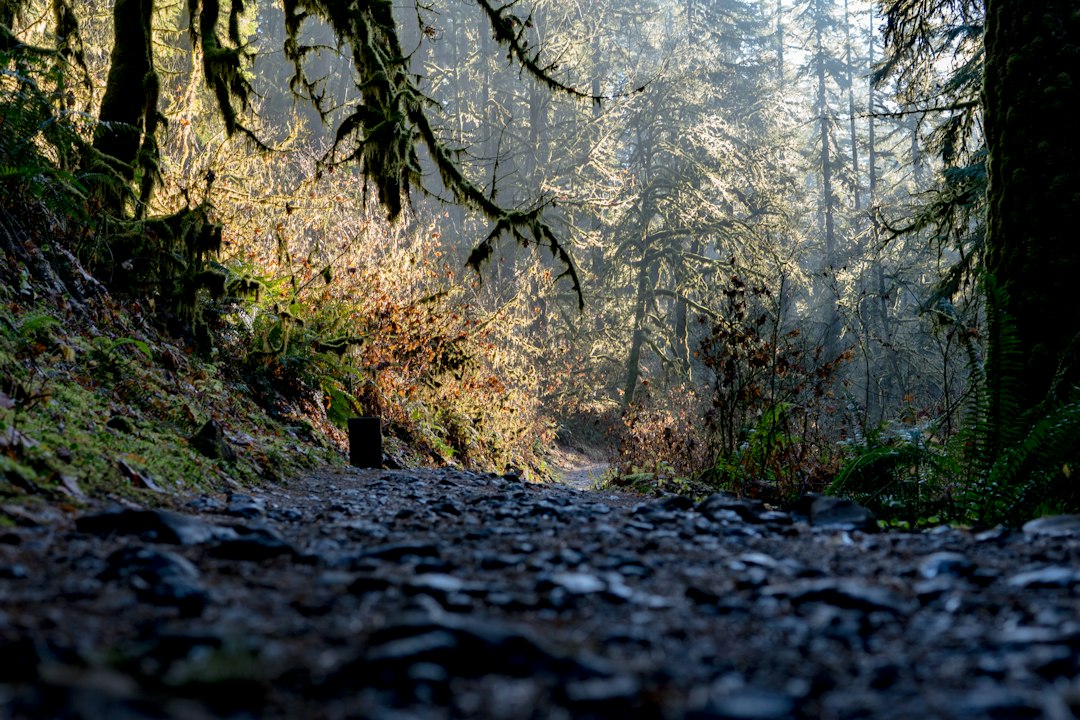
[[1037, 470]]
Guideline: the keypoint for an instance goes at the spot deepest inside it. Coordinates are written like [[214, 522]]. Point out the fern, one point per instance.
[[1013, 463], [1035, 472], [36, 326], [898, 474]]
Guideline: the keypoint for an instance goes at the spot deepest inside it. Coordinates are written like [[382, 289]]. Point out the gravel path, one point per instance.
[[445, 594]]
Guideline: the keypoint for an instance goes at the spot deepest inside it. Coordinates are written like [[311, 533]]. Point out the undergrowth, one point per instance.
[[329, 304], [1000, 466], [764, 427]]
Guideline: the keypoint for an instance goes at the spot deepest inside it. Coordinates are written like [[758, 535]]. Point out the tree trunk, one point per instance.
[[780, 42], [646, 285], [850, 72], [127, 119], [129, 106], [8, 41], [831, 338], [1033, 257]]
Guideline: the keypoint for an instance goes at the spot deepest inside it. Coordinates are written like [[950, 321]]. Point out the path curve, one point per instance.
[[581, 470]]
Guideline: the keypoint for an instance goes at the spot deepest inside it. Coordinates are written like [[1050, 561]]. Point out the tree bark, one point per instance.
[[1033, 212], [131, 66]]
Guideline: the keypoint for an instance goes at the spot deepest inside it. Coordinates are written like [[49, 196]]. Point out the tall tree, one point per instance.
[[1033, 258], [826, 71]]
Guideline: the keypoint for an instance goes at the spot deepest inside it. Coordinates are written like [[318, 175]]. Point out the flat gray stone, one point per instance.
[[1054, 526], [1050, 577], [841, 514]]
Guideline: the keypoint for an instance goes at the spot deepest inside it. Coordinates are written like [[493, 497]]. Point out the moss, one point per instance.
[[65, 387], [15, 477]]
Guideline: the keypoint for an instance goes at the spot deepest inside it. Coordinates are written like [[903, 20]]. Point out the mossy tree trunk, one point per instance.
[[7, 19], [1033, 216], [128, 114]]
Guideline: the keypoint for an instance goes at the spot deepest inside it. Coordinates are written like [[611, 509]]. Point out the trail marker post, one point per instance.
[[365, 442]]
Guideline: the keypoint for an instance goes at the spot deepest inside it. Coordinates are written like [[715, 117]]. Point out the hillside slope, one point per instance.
[[96, 398]]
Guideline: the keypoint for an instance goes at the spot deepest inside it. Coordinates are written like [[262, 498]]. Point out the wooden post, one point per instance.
[[365, 442]]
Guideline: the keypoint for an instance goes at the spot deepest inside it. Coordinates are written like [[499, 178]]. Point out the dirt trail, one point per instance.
[[581, 470]]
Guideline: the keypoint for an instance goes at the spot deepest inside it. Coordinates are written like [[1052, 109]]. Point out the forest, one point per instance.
[[768, 247]]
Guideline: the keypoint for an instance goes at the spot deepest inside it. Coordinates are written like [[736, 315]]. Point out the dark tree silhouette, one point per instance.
[[1033, 258]]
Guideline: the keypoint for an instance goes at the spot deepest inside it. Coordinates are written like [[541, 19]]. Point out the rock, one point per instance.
[[718, 506], [497, 562], [998, 534], [254, 544], [289, 515], [747, 704], [800, 509], [1054, 526], [618, 592], [205, 503], [675, 503], [210, 441], [842, 593], [493, 613], [446, 508], [994, 702], [390, 658], [450, 592], [1026, 635], [120, 424], [464, 647], [575, 583], [401, 551], [617, 696], [1051, 662], [948, 564], [926, 591], [841, 514], [159, 577], [776, 517], [701, 596], [435, 583], [161, 526], [138, 478], [245, 506], [1049, 577], [548, 508], [13, 572], [758, 559]]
